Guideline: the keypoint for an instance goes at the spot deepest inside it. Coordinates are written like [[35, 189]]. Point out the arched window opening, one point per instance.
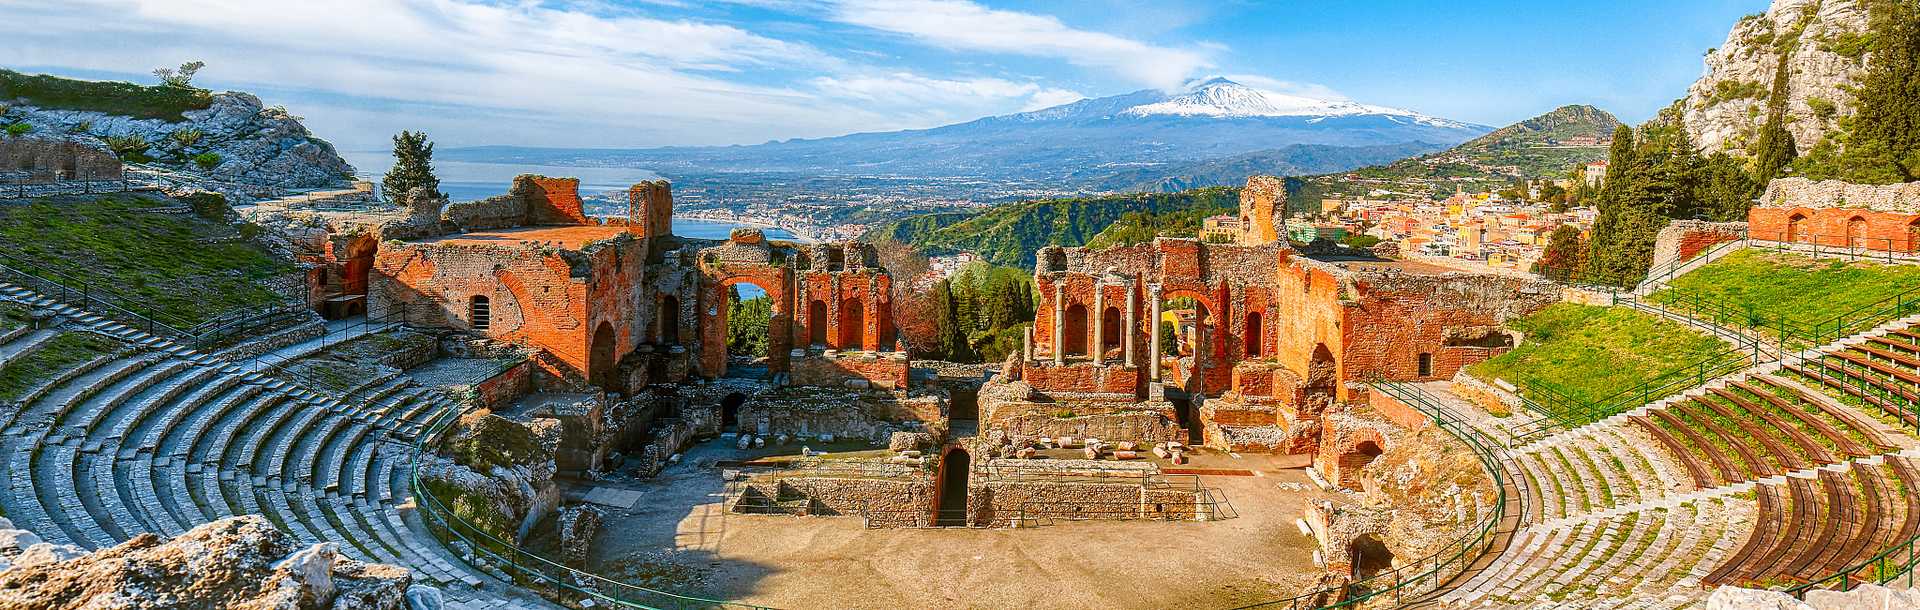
[[1795, 227], [669, 316], [1075, 339], [1857, 233], [1254, 335], [480, 313], [853, 324], [817, 324], [1110, 330]]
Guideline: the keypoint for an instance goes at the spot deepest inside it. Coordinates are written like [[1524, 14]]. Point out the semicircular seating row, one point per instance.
[[159, 438], [1784, 474]]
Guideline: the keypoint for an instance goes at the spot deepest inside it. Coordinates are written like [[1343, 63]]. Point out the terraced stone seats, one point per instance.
[[1881, 373], [165, 438], [1756, 428], [1812, 527]]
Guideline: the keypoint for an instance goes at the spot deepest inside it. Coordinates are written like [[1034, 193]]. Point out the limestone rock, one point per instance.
[[744, 441], [578, 526], [1725, 109], [1735, 598], [423, 597], [903, 441], [239, 562], [42, 553]]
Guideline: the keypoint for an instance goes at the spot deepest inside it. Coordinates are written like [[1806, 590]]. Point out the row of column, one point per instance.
[[1099, 327]]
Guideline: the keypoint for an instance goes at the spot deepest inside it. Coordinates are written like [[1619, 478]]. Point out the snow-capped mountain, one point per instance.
[[1222, 98], [1081, 142]]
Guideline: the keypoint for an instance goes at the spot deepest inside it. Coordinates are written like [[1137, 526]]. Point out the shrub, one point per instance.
[[130, 148], [81, 127], [1822, 108], [19, 129], [187, 137], [207, 160], [128, 99]]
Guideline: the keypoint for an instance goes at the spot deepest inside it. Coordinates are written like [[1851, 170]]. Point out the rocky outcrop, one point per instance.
[[1860, 597], [1726, 108], [257, 146], [234, 563], [496, 474], [1804, 193]]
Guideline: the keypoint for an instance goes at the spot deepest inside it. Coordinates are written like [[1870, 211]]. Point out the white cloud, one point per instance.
[[1310, 90], [910, 87], [1048, 98], [964, 25]]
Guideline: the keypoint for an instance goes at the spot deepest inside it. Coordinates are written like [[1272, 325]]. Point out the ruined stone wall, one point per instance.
[[900, 500], [497, 212], [1682, 239], [502, 389], [1837, 227], [650, 206], [552, 201], [1803, 193], [857, 370], [1400, 316], [1110, 422], [1086, 377], [835, 293], [1263, 205], [25, 160]]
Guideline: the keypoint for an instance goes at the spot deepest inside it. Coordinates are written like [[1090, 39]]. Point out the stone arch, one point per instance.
[[480, 313], [1368, 556], [1857, 232], [951, 487], [853, 324], [712, 317], [600, 357], [1796, 227], [1254, 334], [1075, 339], [1322, 379]]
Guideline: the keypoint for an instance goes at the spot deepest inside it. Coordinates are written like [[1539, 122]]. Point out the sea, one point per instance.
[[467, 181]]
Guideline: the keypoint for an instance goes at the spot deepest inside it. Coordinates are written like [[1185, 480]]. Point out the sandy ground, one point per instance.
[[678, 538]]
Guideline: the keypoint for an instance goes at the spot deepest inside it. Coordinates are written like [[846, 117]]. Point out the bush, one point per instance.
[[207, 160], [129, 148], [187, 137], [127, 99], [19, 129]]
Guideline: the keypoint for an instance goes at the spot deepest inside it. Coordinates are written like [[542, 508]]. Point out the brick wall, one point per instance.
[[1837, 227], [878, 370]]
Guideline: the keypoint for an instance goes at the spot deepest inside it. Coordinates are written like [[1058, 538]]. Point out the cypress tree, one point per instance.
[[1883, 143], [1775, 148], [412, 167]]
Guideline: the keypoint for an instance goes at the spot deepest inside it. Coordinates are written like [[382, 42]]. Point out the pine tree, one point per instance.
[[412, 167], [1883, 139]]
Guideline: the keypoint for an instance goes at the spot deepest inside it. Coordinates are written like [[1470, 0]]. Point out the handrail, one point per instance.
[[525, 564], [1461, 552], [1670, 269]]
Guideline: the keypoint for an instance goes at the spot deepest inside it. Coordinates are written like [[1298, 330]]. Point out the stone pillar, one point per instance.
[[1099, 324], [1153, 336], [1059, 322], [1026, 344], [1132, 328]]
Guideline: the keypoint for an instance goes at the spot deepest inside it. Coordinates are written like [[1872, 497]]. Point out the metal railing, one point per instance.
[[1412, 580], [1665, 272], [1849, 247], [527, 568]]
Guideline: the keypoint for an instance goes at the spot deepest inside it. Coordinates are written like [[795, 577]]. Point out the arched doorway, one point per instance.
[[1913, 237], [853, 325], [1369, 556], [1109, 330], [817, 324], [730, 411], [1857, 233], [669, 317], [600, 357], [480, 313], [1075, 339], [1254, 338], [950, 508], [1796, 225]]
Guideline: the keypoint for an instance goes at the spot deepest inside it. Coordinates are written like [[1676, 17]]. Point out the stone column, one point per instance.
[[1099, 324], [1153, 340], [1059, 323], [1026, 344], [1132, 328]]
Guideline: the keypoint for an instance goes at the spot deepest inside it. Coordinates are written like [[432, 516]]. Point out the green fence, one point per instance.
[[1408, 582]]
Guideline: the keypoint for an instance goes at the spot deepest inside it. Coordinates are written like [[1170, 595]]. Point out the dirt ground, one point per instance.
[[678, 538]]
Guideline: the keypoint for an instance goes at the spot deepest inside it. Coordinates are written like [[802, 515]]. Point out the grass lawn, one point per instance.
[[156, 261], [13, 315], [1593, 352], [59, 354], [1801, 289]]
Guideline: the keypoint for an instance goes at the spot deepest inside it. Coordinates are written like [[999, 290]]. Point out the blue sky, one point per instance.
[[662, 72]]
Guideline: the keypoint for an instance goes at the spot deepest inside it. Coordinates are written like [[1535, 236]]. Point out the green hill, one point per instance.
[[1008, 235], [1536, 148]]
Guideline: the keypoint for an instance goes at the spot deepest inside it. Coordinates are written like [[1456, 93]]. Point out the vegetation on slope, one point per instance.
[[1010, 234], [167, 103], [1772, 286], [1880, 142], [185, 268], [13, 315], [1135, 228], [61, 353], [1528, 150], [1654, 176], [1593, 352]]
